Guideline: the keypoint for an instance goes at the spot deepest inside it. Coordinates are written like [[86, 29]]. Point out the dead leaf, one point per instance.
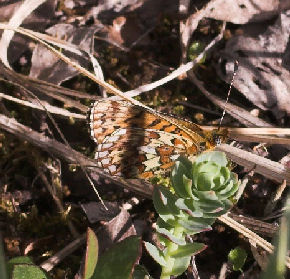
[[95, 211], [37, 21], [244, 11], [263, 76], [116, 230], [7, 9], [46, 66]]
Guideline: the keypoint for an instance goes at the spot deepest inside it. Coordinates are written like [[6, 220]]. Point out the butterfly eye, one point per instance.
[[217, 139]]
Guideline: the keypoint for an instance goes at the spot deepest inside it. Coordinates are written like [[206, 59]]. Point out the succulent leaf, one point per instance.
[[180, 265], [155, 253], [188, 250], [167, 234], [201, 194]]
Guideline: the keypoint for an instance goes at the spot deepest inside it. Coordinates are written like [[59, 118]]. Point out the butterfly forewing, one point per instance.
[[133, 142]]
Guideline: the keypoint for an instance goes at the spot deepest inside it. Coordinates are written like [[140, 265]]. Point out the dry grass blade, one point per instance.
[[263, 166], [265, 135], [242, 115], [179, 71], [85, 72], [250, 235], [260, 131], [68, 154], [47, 107], [39, 87], [24, 83], [27, 7], [261, 139]]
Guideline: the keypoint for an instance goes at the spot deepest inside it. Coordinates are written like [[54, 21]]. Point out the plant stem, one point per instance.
[[167, 270]]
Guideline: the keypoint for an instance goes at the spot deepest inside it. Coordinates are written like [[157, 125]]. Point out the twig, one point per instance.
[[272, 202], [24, 83], [60, 150], [250, 235], [266, 167], [263, 139], [238, 113], [260, 131], [258, 226], [264, 135], [179, 71], [58, 202], [62, 254], [48, 107]]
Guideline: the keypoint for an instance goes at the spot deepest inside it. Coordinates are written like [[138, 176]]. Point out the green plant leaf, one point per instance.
[[17, 260], [186, 163], [119, 261], [161, 224], [3, 268], [155, 253], [215, 156], [189, 207], [91, 254], [187, 186], [141, 273], [201, 192], [195, 49], [277, 261], [170, 236], [237, 257], [177, 178], [230, 188], [196, 225], [189, 249], [205, 195], [180, 265], [28, 271], [164, 201], [210, 206], [161, 202]]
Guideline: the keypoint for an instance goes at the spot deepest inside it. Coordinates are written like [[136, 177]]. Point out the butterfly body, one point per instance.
[[134, 142]]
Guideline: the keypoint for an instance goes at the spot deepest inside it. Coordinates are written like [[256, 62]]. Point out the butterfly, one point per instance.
[[134, 142]]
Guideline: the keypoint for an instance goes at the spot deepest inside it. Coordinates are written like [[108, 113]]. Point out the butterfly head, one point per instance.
[[216, 137]]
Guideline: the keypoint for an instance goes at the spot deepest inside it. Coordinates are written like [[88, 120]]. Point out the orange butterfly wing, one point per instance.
[[133, 142]]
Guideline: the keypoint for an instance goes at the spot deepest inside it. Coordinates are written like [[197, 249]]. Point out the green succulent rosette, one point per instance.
[[200, 193]]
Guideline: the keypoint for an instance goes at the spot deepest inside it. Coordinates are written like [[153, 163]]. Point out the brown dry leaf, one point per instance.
[[244, 11], [47, 66], [125, 31], [263, 75], [116, 230], [95, 211], [128, 22], [147, 11], [7, 9], [37, 21]]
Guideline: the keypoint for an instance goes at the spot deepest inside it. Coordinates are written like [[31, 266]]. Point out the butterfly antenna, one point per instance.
[[236, 65]]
